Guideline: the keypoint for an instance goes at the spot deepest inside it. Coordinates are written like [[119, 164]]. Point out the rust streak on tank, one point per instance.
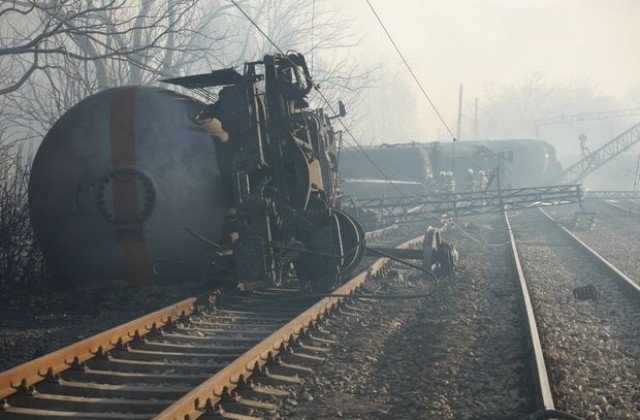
[[130, 230]]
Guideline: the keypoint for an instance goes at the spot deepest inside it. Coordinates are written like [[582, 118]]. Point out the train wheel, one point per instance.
[[333, 252], [437, 255], [448, 258], [430, 247], [351, 239]]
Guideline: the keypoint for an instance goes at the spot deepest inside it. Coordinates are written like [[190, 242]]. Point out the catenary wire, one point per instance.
[[424, 92], [406, 63]]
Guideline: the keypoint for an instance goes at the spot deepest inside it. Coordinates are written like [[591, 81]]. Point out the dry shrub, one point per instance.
[[21, 262]]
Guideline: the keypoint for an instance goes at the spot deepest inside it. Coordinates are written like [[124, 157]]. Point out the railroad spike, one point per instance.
[[304, 333], [51, 377], [227, 396], [258, 370], [284, 349], [273, 360], [121, 346], [170, 324], [293, 342], [137, 338], [100, 354], [243, 383], [77, 365], [269, 357], [154, 331], [25, 389]]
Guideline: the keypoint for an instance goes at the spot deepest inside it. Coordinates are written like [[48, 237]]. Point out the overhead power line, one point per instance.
[[406, 63], [589, 116]]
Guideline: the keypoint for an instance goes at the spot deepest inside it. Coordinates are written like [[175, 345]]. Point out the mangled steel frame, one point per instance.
[[413, 208]]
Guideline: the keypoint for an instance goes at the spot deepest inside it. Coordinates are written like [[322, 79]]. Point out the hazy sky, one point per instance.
[[490, 43]]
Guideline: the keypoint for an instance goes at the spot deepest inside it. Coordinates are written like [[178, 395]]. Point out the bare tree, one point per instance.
[[313, 28], [43, 35], [59, 52], [391, 105], [512, 111], [70, 49]]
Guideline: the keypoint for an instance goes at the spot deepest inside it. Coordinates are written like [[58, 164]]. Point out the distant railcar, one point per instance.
[[419, 168], [386, 170]]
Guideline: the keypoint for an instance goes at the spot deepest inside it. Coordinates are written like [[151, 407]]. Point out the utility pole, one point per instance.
[[459, 113], [475, 122]]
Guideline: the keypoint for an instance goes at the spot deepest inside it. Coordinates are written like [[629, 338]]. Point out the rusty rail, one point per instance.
[[626, 280], [194, 404], [544, 396], [54, 363]]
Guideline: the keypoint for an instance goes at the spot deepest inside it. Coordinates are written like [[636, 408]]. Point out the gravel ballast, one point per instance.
[[592, 347]]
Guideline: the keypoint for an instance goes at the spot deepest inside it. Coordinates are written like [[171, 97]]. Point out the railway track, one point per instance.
[[184, 360], [575, 337], [623, 206], [585, 359], [463, 354], [614, 235], [458, 354], [626, 206]]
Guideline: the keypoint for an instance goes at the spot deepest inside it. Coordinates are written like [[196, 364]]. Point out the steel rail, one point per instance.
[[621, 208], [544, 396], [603, 261], [32, 372], [210, 392], [18, 383]]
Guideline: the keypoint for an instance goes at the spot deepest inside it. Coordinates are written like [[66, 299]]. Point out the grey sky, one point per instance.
[[491, 43]]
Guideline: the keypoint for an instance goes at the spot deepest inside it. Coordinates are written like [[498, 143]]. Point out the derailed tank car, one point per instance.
[[134, 178], [421, 168], [385, 170], [523, 162]]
